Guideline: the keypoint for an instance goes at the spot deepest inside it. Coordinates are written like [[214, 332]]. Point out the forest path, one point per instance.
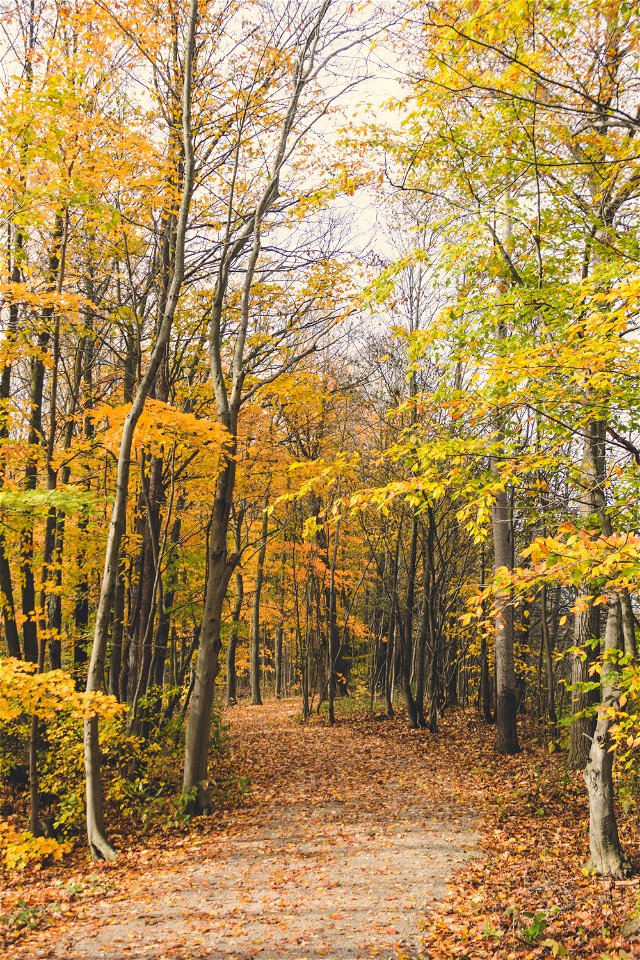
[[348, 835]]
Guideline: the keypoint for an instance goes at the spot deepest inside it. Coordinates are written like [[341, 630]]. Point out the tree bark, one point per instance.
[[394, 613], [256, 678], [506, 737], [586, 625], [333, 639], [232, 677], [407, 647], [550, 673], [423, 639], [279, 663], [607, 856], [6, 585], [117, 633], [220, 567], [98, 843]]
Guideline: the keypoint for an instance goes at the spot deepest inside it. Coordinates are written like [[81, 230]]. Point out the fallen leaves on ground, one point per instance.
[[320, 858], [530, 894]]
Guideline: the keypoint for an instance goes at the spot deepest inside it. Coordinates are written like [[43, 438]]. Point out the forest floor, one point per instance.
[[342, 849], [345, 838]]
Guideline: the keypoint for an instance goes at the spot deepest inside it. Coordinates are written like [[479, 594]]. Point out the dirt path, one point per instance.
[[349, 835]]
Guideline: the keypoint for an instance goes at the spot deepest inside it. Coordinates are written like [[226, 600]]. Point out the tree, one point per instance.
[[100, 847], [283, 346]]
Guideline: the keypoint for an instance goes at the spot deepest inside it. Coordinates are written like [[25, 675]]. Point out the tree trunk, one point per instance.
[[586, 625], [607, 856], [28, 589], [333, 646], [117, 633], [506, 738], [390, 654], [389, 659], [6, 586], [407, 647], [256, 696], [8, 607], [628, 624], [550, 675], [421, 652], [485, 678], [81, 611], [485, 681], [279, 663], [433, 686], [219, 570], [98, 843], [54, 600], [280, 685], [161, 643], [232, 678]]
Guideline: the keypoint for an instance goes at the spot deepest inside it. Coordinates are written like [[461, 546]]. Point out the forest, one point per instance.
[[319, 479]]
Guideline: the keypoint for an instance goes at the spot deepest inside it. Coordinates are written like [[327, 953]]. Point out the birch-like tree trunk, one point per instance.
[[607, 856], [96, 833]]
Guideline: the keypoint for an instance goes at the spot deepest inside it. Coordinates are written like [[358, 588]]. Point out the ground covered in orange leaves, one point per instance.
[[343, 848]]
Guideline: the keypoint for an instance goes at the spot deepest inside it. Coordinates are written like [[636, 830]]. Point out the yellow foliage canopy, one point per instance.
[[23, 691], [161, 426]]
